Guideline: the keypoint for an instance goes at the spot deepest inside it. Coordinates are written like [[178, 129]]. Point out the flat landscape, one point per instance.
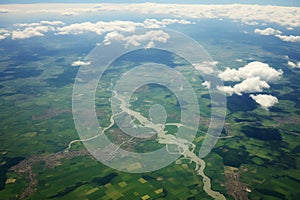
[[255, 57]]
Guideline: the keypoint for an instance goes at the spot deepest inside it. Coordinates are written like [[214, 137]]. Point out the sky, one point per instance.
[[265, 2], [277, 22]]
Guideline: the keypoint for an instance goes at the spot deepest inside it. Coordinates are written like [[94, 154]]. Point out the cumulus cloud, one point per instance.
[[250, 85], [154, 23], [2, 37], [68, 13], [28, 24], [52, 23], [31, 32], [113, 36], [4, 10], [267, 31], [206, 67], [248, 14], [80, 63], [254, 76], [264, 100], [119, 26], [135, 40], [4, 33], [289, 38], [278, 34], [293, 65], [253, 69], [251, 23], [28, 30], [98, 27]]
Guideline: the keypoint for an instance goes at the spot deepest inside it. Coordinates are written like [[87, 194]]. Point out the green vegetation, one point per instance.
[[36, 119]]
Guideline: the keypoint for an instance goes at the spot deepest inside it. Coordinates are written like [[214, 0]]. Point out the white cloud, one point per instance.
[[207, 84], [264, 100], [253, 69], [250, 85], [113, 36], [251, 23], [293, 65], [267, 31], [28, 24], [206, 67], [254, 76], [289, 38], [245, 13], [52, 23], [135, 40], [278, 34], [98, 27], [41, 23], [154, 23], [150, 44], [69, 13], [31, 32], [80, 63], [4, 33], [28, 30], [77, 28], [34, 29], [119, 26], [4, 11]]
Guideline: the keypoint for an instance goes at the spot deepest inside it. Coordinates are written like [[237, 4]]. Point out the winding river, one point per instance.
[[186, 148]]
